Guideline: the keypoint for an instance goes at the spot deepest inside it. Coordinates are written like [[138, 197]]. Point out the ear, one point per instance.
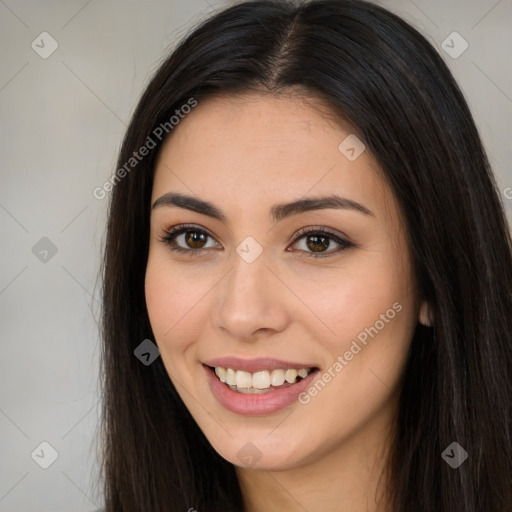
[[426, 316]]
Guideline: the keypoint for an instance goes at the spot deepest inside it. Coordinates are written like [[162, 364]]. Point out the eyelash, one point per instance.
[[171, 234]]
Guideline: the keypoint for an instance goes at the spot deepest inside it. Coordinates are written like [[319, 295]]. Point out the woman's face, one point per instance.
[[246, 292]]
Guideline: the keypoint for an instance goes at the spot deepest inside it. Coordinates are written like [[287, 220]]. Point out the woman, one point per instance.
[[304, 222]]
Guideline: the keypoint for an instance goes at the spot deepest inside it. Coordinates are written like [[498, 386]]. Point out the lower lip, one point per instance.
[[256, 404]]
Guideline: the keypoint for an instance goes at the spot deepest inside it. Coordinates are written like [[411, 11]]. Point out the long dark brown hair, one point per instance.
[[384, 78]]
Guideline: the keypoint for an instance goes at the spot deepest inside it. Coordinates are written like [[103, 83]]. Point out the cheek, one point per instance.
[[159, 301], [169, 301], [354, 295], [177, 305], [166, 305], [367, 350], [371, 304], [170, 292]]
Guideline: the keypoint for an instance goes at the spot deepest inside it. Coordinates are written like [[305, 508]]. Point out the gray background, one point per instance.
[[62, 120]]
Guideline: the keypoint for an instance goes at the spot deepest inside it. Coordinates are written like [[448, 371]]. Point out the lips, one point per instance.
[[257, 404], [256, 365]]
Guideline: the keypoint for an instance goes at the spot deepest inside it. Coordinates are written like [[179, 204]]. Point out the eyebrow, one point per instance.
[[277, 212]]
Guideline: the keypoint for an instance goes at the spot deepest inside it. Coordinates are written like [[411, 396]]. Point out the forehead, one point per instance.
[[247, 150]]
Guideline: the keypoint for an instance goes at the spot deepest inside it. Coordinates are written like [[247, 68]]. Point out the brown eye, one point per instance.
[[317, 242], [187, 239], [195, 239]]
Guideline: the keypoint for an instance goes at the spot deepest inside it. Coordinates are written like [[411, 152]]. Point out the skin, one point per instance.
[[245, 154]]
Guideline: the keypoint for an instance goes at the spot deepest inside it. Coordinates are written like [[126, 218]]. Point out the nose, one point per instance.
[[251, 301]]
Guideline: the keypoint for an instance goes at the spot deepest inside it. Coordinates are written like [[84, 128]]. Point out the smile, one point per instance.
[[261, 382], [257, 387]]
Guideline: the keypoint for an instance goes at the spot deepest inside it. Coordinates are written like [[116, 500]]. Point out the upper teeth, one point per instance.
[[259, 380]]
